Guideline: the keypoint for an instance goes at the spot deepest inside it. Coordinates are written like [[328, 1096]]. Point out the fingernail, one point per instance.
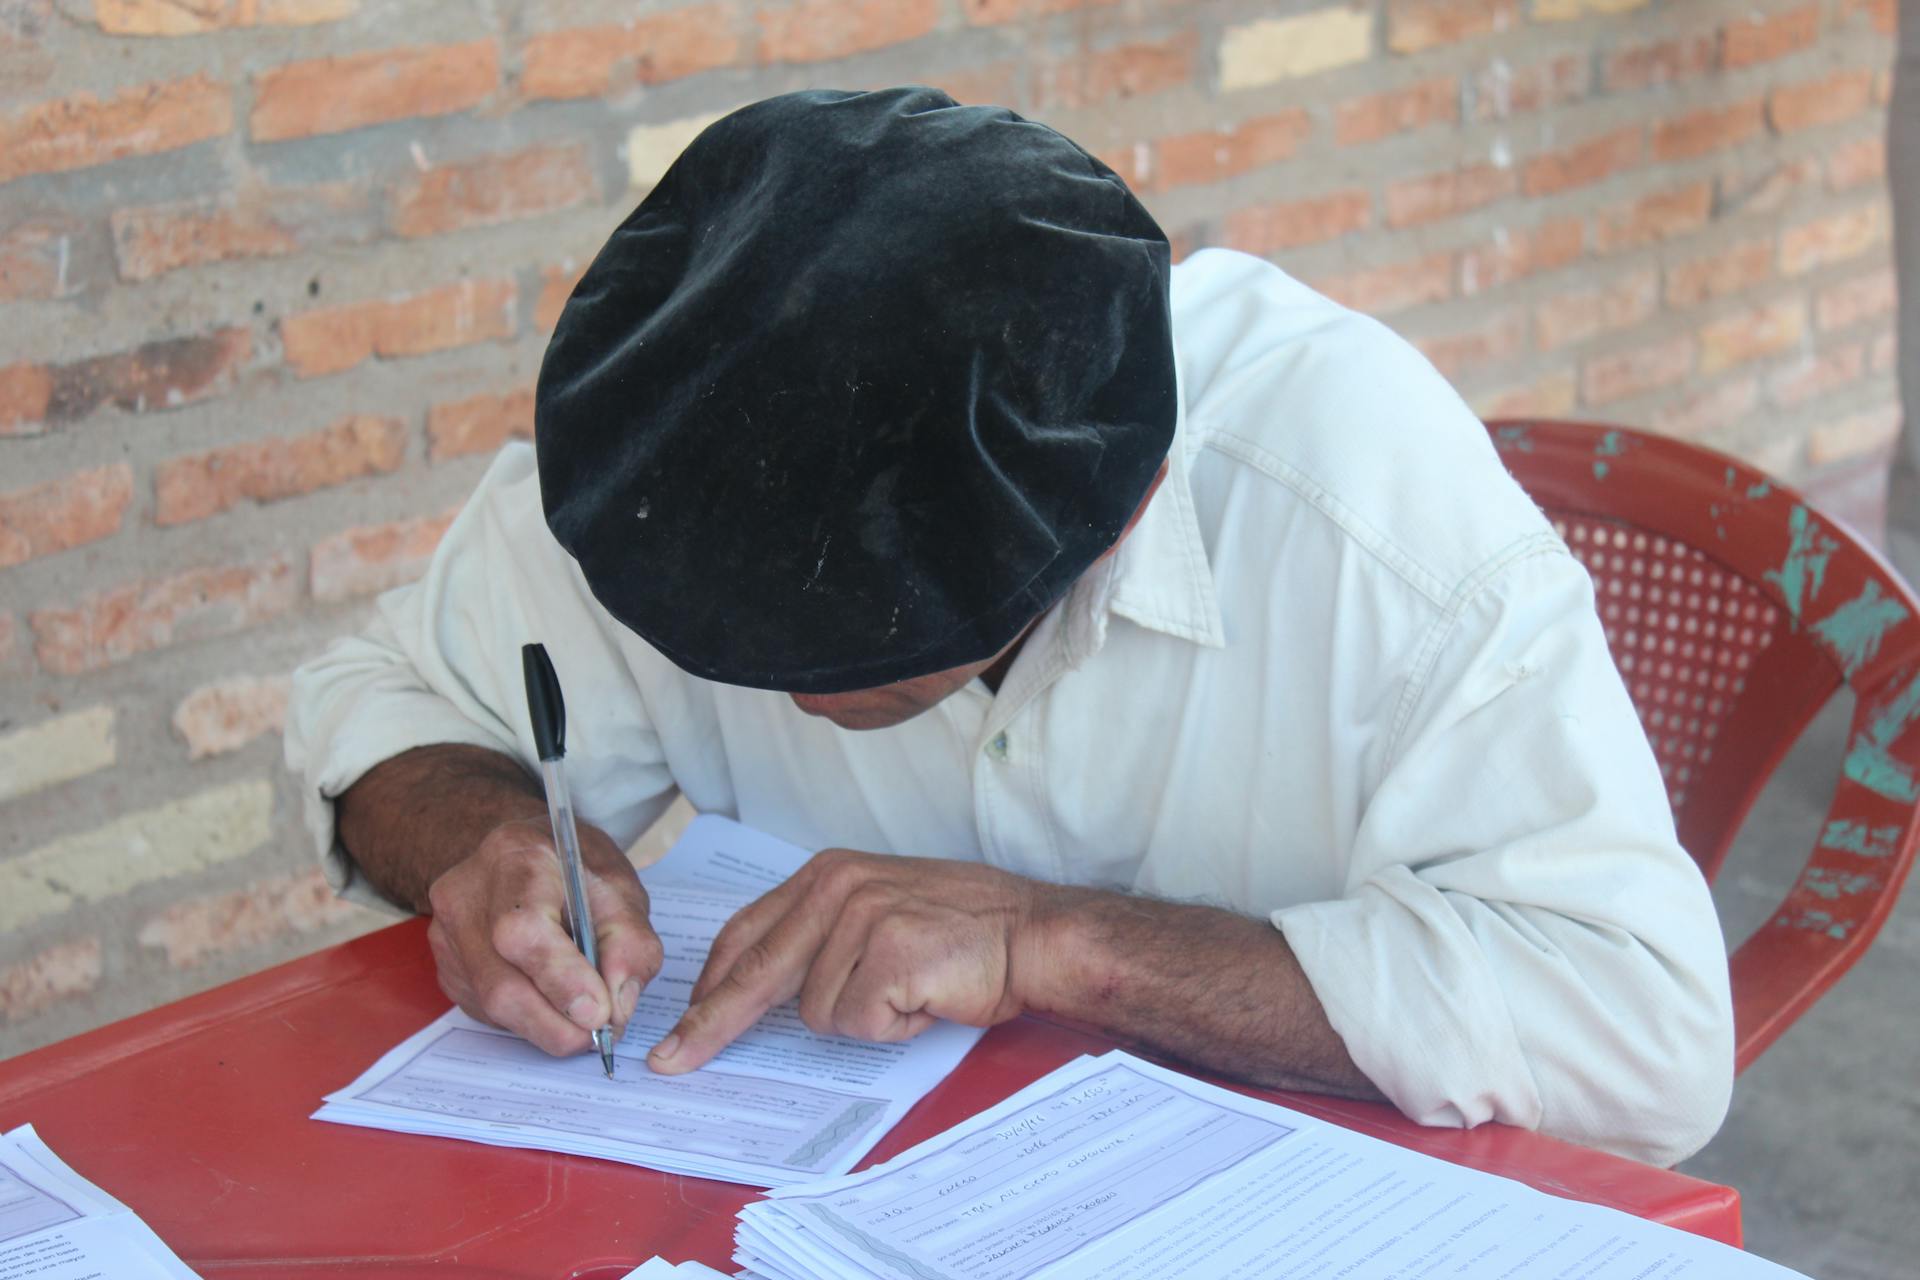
[[664, 1051], [629, 997], [582, 1011]]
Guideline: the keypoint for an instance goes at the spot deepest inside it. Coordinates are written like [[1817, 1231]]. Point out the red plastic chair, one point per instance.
[[1735, 612]]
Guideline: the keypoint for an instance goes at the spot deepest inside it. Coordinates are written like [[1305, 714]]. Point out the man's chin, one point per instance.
[[853, 715]]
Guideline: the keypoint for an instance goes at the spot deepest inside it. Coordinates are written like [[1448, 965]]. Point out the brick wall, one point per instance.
[[277, 275]]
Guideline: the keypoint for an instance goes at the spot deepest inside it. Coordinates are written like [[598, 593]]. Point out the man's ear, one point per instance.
[[1138, 511]]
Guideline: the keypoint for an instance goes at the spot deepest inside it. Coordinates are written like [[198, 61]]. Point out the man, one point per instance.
[[1187, 666]]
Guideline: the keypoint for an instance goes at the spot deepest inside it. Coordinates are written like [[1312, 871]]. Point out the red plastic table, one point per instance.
[[195, 1115]]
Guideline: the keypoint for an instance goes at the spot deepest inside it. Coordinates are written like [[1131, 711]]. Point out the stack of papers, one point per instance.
[[661, 1269], [55, 1225], [780, 1105], [1116, 1168]]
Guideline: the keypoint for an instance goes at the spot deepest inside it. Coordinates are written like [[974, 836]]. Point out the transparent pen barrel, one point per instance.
[[566, 842]]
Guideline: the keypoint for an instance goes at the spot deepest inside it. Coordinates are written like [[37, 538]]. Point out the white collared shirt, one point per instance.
[[1343, 674]]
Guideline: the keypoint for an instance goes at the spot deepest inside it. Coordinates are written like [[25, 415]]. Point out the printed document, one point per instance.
[[1113, 1167], [55, 1225], [779, 1105]]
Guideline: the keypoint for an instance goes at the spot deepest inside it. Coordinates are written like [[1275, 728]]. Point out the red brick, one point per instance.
[[1860, 163], [556, 286], [1729, 271], [1380, 115], [25, 390], [333, 95], [1211, 156], [1883, 13], [1551, 396], [1446, 195], [331, 339], [258, 222], [193, 488], [1413, 25], [193, 17], [1133, 161], [588, 61], [1863, 297], [198, 929], [1705, 413], [1817, 374], [228, 714], [120, 623], [1382, 290], [982, 13], [997, 84], [1514, 255], [1763, 331], [60, 972], [1268, 229], [1636, 370], [1500, 92], [69, 512], [83, 130], [1656, 63], [1583, 163], [36, 260], [1126, 71], [1827, 100], [1460, 350], [1834, 238], [821, 30], [1766, 190], [484, 193], [1711, 129], [1859, 435], [375, 557], [164, 374], [479, 424], [1573, 317], [1757, 38], [1660, 216]]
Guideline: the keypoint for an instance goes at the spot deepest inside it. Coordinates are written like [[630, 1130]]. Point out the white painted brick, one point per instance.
[[652, 148], [54, 751], [176, 838], [1276, 49]]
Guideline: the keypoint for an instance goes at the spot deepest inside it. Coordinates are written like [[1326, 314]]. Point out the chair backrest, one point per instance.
[[1735, 611]]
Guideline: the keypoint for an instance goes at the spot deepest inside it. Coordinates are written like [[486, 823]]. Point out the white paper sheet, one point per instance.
[[661, 1269], [55, 1225], [779, 1105], [1116, 1168]]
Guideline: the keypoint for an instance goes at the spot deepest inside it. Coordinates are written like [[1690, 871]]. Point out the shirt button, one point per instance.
[[997, 749]]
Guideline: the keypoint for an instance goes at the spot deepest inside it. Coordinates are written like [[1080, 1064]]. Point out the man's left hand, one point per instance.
[[875, 946]]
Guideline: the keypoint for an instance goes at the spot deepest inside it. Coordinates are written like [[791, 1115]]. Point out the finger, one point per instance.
[[876, 1004], [845, 947], [765, 974], [629, 950], [528, 936], [748, 925], [508, 999]]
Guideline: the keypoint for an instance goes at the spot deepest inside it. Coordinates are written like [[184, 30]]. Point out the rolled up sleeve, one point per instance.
[[1522, 937], [440, 664]]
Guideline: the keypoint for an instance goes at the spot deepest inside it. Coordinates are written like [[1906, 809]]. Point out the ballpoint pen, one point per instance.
[[548, 712]]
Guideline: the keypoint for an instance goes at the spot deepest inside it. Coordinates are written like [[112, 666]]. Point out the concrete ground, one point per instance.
[[1823, 1141]]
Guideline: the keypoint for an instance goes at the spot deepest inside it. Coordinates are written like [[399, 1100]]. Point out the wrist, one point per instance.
[[1049, 948]]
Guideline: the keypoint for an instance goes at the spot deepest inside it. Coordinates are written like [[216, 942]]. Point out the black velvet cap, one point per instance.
[[858, 391]]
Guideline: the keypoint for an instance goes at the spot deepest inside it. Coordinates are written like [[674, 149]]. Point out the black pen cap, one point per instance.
[[545, 707]]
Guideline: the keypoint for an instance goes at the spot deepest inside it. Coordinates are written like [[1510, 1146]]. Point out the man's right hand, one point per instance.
[[501, 944]]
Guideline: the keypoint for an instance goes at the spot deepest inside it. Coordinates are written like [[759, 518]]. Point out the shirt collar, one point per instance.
[[1159, 578]]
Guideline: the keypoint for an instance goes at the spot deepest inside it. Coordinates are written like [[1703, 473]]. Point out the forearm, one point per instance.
[[1214, 989], [409, 819]]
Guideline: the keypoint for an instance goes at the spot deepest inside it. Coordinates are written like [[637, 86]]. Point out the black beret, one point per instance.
[[858, 391]]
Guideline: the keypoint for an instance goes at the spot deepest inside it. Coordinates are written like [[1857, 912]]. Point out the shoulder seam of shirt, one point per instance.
[[1327, 503], [1452, 610]]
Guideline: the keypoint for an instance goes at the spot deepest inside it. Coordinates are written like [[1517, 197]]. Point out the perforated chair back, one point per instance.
[[1735, 611]]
